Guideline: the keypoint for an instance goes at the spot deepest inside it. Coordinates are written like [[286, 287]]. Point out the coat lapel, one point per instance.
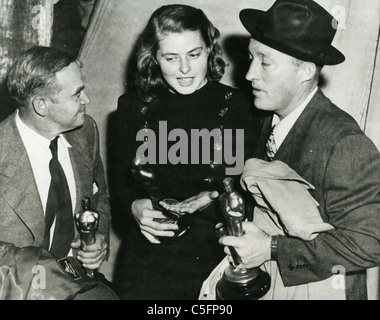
[[259, 150], [18, 187], [81, 161], [292, 147]]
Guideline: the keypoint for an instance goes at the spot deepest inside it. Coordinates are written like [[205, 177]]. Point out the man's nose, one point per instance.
[[253, 71], [85, 99]]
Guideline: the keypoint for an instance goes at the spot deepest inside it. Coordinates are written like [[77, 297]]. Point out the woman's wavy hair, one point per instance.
[[149, 81]]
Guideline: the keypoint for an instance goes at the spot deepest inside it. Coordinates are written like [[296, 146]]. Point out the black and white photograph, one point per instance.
[[190, 154]]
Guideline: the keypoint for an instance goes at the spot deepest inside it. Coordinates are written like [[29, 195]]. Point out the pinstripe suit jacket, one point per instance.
[[21, 213], [328, 149]]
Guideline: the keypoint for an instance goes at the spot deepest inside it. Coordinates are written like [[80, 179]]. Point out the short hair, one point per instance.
[[34, 73], [150, 84]]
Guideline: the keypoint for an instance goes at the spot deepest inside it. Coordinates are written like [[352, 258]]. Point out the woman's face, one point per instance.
[[183, 58]]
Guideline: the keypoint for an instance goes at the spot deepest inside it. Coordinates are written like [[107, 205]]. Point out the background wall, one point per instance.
[[115, 26], [23, 23]]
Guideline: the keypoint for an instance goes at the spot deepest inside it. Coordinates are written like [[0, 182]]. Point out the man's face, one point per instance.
[[68, 110], [275, 79], [183, 58]]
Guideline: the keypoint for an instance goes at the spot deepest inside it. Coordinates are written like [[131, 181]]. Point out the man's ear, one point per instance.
[[308, 70], [40, 106]]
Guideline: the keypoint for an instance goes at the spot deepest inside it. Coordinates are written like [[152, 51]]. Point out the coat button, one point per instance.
[[305, 264], [209, 180], [144, 110]]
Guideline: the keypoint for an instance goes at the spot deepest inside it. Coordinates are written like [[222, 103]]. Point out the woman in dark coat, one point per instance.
[[178, 98]]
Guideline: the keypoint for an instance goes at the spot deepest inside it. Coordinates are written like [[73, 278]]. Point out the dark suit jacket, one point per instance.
[[328, 149], [21, 214]]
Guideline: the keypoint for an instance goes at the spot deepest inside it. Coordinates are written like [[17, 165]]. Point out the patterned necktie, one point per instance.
[[270, 146], [59, 207]]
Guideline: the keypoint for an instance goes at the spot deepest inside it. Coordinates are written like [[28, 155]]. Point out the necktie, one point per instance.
[[270, 146], [59, 207]]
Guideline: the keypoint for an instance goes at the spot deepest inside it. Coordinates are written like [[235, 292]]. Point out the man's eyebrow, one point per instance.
[[259, 51], [80, 89], [261, 54]]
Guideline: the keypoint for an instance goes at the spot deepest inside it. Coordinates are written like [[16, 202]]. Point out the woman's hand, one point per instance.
[[193, 204], [145, 215]]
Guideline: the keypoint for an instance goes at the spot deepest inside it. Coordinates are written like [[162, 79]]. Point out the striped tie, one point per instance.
[[270, 146]]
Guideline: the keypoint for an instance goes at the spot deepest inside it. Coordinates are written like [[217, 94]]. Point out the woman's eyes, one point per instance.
[[172, 59], [194, 55], [176, 58]]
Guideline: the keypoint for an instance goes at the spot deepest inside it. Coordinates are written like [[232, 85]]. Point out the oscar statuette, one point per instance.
[[87, 223], [146, 176], [237, 283]]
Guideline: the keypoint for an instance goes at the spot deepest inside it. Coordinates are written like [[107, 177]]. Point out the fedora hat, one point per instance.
[[299, 28]]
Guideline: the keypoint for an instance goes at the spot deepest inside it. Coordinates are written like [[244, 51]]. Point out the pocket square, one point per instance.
[[95, 188]]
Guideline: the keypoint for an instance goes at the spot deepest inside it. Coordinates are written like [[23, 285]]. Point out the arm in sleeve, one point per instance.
[[32, 273], [103, 206], [123, 187], [351, 194]]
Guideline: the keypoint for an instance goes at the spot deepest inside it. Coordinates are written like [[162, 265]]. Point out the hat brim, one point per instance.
[[328, 56]]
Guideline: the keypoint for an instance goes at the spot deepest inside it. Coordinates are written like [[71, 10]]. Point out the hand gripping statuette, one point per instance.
[[237, 283], [87, 223]]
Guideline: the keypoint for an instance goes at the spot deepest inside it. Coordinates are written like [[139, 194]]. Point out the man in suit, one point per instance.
[[289, 45], [49, 88]]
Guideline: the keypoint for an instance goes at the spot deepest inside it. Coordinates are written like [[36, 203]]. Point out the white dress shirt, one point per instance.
[[282, 127], [37, 148]]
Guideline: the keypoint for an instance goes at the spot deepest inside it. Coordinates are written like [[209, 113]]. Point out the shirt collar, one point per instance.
[[282, 127], [29, 135], [64, 142], [32, 136]]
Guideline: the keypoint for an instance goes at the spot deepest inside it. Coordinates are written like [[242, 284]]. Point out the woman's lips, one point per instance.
[[185, 81]]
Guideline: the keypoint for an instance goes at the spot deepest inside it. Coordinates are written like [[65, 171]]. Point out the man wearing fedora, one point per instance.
[[289, 45]]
